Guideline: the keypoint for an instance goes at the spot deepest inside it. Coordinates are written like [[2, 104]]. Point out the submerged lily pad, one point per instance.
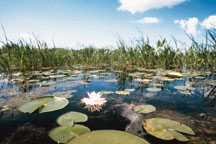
[[144, 109], [65, 134], [44, 104], [167, 129], [70, 118], [108, 137]]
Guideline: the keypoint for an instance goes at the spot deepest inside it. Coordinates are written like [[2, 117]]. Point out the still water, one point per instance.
[[189, 106]]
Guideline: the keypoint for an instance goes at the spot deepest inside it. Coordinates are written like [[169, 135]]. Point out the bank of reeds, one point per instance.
[[24, 56]]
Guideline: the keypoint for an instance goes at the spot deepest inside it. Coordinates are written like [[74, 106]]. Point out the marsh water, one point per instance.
[[192, 108]]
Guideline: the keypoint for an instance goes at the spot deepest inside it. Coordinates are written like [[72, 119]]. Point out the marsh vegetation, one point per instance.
[[134, 94]]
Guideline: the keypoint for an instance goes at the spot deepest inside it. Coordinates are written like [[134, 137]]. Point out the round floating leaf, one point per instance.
[[66, 94], [167, 129], [70, 118], [174, 74], [44, 104], [130, 90], [125, 92], [153, 89], [108, 137], [62, 134], [106, 92], [80, 129], [144, 109], [34, 105]]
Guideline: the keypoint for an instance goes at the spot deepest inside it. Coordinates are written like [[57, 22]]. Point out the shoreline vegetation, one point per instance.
[[25, 57]]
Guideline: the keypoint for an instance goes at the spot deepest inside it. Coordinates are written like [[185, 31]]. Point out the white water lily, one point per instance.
[[94, 101]]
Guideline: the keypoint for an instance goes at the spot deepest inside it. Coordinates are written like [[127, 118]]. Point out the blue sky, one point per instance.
[[72, 23]]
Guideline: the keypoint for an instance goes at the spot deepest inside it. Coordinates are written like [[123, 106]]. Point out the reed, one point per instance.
[[25, 56]]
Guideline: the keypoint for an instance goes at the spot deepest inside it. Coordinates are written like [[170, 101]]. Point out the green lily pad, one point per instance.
[[66, 133], [125, 92], [167, 129], [66, 94], [174, 74], [44, 104], [70, 118], [108, 137], [144, 109], [62, 134]]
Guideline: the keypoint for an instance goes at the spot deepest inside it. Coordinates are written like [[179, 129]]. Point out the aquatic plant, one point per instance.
[[144, 109], [167, 129], [94, 101], [68, 119], [153, 89], [108, 137], [123, 92], [174, 74], [23, 56], [44, 104], [106, 92], [64, 134]]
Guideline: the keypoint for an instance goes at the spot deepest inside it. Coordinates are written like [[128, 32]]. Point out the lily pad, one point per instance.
[[153, 89], [144, 109], [106, 92], [144, 81], [44, 104], [174, 74], [130, 90], [66, 94], [167, 129], [65, 134], [125, 92], [108, 137], [70, 118]]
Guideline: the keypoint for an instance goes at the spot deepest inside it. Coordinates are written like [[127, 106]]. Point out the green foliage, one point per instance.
[[70, 118], [167, 129], [44, 104], [108, 137], [23, 56], [65, 133]]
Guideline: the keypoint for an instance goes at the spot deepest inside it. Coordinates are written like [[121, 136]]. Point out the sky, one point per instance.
[[77, 23]]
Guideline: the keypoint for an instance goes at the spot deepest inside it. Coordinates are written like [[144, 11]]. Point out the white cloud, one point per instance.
[[135, 6], [189, 25], [148, 20], [210, 22]]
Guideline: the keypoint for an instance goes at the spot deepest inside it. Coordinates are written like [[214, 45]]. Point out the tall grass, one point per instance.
[[25, 56]]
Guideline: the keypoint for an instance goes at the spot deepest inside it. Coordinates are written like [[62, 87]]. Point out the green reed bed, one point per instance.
[[24, 56]]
